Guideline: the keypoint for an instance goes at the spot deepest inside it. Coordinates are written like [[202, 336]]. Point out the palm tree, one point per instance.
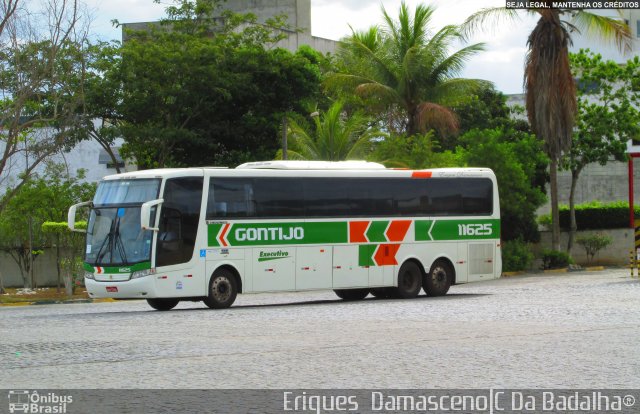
[[335, 137], [405, 71], [549, 85]]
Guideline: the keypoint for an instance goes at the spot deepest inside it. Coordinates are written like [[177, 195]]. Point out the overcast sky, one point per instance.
[[502, 63]]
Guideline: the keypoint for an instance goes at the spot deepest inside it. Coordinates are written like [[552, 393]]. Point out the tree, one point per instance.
[[550, 88], [405, 72], [336, 136], [40, 199], [41, 54], [516, 158], [98, 117], [415, 152], [216, 94], [69, 249], [487, 109], [608, 101]]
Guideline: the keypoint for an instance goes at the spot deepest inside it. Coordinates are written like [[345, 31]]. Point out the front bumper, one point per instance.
[[142, 288]]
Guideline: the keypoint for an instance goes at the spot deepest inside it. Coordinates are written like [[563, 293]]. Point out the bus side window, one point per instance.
[[230, 197]]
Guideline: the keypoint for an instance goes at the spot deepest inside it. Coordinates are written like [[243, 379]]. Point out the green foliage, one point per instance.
[[52, 227], [516, 158], [405, 73], [486, 109], [595, 215], [69, 247], [38, 200], [335, 136], [607, 115], [416, 152], [593, 243], [41, 70], [216, 94], [553, 259], [516, 256], [607, 110]]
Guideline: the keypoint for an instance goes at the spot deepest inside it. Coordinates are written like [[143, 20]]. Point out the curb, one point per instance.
[[58, 302], [511, 274], [16, 304], [562, 270], [594, 268]]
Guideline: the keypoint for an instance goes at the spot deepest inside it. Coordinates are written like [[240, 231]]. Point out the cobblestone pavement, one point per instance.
[[564, 330]]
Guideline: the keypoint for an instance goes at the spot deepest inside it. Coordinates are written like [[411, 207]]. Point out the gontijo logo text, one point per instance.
[[273, 233]]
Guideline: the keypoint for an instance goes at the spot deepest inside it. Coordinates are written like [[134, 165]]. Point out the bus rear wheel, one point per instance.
[[409, 281], [438, 281], [163, 304], [222, 290], [352, 294]]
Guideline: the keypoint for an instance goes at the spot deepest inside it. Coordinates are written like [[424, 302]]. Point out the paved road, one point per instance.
[[574, 330]]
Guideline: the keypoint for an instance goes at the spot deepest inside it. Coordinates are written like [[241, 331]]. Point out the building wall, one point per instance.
[[298, 14], [617, 253], [44, 270], [298, 11]]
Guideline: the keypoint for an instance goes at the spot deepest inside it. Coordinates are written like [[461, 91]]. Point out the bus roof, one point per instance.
[[312, 165], [305, 169]]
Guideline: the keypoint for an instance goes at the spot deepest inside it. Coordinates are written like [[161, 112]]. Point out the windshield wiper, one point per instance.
[[119, 243], [99, 256]]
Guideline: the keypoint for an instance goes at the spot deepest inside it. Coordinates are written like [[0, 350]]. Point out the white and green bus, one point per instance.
[[171, 235]]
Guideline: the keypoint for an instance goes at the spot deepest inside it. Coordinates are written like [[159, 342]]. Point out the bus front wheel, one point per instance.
[[163, 304], [352, 294], [409, 281], [222, 290], [438, 281]]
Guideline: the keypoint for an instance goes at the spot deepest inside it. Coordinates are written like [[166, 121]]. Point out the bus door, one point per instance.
[[176, 256]]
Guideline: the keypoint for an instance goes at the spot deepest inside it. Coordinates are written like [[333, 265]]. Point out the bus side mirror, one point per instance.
[[71, 216], [145, 214]]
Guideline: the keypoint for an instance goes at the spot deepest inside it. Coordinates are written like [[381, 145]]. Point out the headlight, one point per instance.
[[88, 275], [142, 273]]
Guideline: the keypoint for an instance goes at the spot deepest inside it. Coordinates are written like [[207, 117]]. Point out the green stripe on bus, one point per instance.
[[426, 230], [118, 269], [376, 231], [332, 232], [267, 234], [365, 254]]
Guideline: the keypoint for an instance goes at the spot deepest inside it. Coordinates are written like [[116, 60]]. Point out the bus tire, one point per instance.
[[352, 294], [409, 281], [223, 290], [163, 304], [438, 281], [382, 293]]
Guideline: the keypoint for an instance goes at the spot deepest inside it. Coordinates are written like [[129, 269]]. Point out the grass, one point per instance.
[[41, 295]]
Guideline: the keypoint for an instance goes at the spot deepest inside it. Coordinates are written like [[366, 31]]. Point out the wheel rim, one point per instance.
[[439, 276], [221, 289], [410, 281]]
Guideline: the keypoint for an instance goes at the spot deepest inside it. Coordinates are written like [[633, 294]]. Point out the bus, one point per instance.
[[355, 227]]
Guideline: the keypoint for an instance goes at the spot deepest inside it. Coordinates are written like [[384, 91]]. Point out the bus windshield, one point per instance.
[[114, 234]]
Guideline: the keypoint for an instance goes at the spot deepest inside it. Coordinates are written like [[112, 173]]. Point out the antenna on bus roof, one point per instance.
[[313, 165]]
